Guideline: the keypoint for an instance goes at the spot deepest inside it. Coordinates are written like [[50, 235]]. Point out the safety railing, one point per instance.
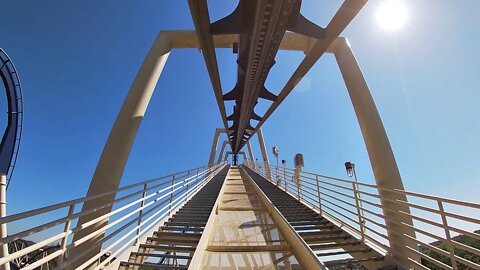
[[137, 211], [447, 234]]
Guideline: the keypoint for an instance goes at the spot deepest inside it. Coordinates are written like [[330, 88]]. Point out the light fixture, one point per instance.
[[350, 167], [275, 151]]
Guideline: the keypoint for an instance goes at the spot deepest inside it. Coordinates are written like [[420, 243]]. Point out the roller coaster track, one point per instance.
[[10, 144]]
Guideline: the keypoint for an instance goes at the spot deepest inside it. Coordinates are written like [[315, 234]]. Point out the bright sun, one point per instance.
[[392, 14]]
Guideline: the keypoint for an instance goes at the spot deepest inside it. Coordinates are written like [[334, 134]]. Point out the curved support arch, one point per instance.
[[380, 153], [115, 154]]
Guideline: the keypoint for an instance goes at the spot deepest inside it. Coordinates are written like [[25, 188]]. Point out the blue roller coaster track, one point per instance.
[[10, 144]]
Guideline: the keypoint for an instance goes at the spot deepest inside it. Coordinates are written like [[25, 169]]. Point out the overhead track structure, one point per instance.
[[261, 26], [10, 143]]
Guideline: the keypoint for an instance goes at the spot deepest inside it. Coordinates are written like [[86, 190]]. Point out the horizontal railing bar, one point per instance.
[[432, 210], [465, 247], [460, 231], [338, 192], [53, 207], [345, 202], [355, 222], [164, 208], [429, 246], [93, 221], [466, 262], [62, 220], [430, 259], [31, 248], [184, 190], [415, 194], [75, 216], [414, 262], [44, 260], [103, 229]]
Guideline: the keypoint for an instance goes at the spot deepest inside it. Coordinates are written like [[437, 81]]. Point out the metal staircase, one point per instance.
[[325, 238], [175, 243], [172, 246]]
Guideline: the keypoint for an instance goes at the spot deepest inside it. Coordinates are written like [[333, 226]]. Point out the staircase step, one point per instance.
[[313, 227], [313, 239], [179, 235], [309, 222], [351, 261], [191, 224], [334, 245], [335, 232], [158, 255], [181, 229], [173, 241], [169, 248], [362, 250], [153, 266]]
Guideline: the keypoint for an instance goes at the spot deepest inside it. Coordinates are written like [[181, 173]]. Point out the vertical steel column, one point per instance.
[[250, 152], [222, 150], [263, 148], [379, 151], [119, 143], [211, 160], [3, 213]]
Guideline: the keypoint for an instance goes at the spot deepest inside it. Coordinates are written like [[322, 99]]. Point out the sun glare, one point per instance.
[[392, 14]]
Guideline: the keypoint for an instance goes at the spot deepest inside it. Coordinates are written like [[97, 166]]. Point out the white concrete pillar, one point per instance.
[[263, 149], [3, 213], [379, 151], [115, 154]]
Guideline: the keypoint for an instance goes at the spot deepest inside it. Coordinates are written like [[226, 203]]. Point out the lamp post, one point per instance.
[[275, 153], [350, 168]]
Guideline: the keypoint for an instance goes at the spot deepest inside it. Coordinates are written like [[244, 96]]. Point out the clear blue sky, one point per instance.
[[78, 60]]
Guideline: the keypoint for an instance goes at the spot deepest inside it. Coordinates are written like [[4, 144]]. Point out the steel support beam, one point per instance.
[[224, 144], [380, 153], [115, 154], [345, 14], [250, 152], [263, 149], [201, 20], [211, 160]]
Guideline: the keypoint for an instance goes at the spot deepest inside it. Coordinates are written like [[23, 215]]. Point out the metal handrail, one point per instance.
[[134, 216], [360, 213]]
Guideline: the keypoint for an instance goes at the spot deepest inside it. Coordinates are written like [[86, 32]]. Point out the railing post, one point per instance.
[[298, 188], [3, 213], [64, 242], [171, 196], [447, 235], [188, 181], [361, 220], [318, 194], [142, 204], [197, 176]]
